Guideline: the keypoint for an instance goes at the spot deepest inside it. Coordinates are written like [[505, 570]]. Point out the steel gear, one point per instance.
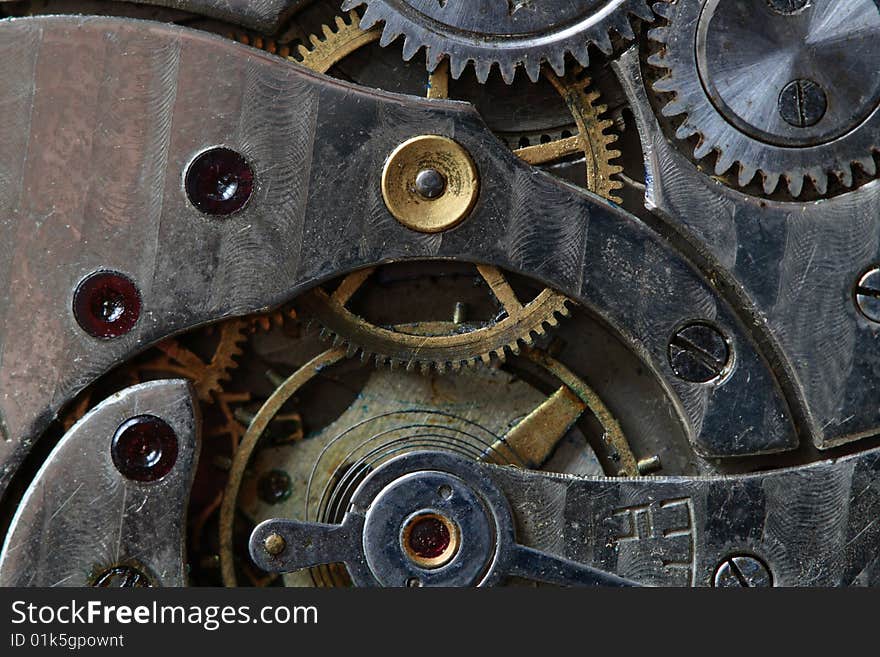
[[784, 90], [507, 34]]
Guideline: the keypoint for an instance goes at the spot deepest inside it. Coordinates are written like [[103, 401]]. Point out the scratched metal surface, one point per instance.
[[262, 15], [80, 515], [797, 264], [813, 526], [91, 161]]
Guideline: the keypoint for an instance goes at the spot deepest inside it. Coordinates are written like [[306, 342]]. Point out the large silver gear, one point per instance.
[[506, 33], [785, 88]]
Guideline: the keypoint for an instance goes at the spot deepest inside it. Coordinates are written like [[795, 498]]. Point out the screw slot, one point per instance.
[[802, 103], [742, 571], [698, 352], [867, 294]]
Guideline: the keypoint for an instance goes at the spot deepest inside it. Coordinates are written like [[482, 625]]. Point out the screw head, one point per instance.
[[219, 182], [430, 183], [802, 103], [742, 571], [122, 577], [698, 352], [274, 544], [106, 304], [787, 6], [274, 486], [868, 294], [144, 448]]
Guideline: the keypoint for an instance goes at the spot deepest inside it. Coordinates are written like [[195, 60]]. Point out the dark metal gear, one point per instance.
[[787, 90], [506, 33]]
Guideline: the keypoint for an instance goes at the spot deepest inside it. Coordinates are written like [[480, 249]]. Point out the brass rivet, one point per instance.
[[274, 544], [434, 207]]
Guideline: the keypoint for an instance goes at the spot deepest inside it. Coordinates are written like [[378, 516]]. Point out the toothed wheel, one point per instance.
[[503, 33], [435, 345], [777, 89]]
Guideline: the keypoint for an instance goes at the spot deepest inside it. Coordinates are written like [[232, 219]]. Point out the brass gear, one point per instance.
[[207, 377], [441, 345]]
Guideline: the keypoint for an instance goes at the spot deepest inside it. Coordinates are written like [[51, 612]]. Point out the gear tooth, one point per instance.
[[557, 63], [665, 85], [867, 165], [486, 358], [746, 174], [657, 35], [457, 66], [663, 9], [441, 367], [643, 10], [770, 182], [603, 43], [674, 108], [456, 365], [302, 52], [508, 71], [483, 68], [624, 29], [389, 35], [723, 163], [371, 16], [410, 48], [581, 54], [351, 351], [432, 61], [819, 179], [328, 31], [845, 176], [702, 149], [795, 183], [349, 5], [685, 131], [532, 67]]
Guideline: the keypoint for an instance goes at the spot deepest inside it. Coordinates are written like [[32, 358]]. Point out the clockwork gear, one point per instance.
[[784, 90], [507, 34], [437, 345]]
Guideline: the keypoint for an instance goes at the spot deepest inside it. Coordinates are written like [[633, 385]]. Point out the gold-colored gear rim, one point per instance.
[[448, 350]]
